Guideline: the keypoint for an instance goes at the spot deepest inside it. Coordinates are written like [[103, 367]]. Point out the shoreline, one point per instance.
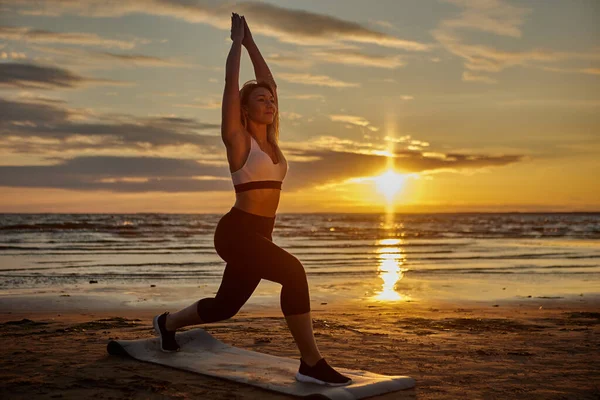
[[142, 298], [333, 309]]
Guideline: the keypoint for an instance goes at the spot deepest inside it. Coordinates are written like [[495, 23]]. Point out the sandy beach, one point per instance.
[[536, 349]]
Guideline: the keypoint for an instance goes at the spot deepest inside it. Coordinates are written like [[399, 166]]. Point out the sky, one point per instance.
[[410, 106]]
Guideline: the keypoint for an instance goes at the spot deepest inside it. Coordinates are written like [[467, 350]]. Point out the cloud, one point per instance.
[[354, 120], [56, 132], [385, 24], [158, 93], [290, 61], [140, 60], [588, 71], [307, 28], [549, 102], [353, 57], [104, 59], [401, 139], [591, 71], [305, 97], [13, 55], [42, 128], [499, 18], [37, 98], [327, 166], [30, 35], [331, 160], [120, 174], [419, 143], [20, 75], [292, 116], [296, 26], [468, 76], [143, 174], [203, 104], [351, 119], [494, 16], [287, 25], [317, 80], [335, 55]]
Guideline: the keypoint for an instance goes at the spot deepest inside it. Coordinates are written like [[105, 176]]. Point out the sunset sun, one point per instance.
[[389, 183]]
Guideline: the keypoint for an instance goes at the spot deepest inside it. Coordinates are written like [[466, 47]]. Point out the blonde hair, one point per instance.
[[272, 129]]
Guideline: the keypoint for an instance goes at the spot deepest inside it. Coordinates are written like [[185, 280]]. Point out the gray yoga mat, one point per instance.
[[203, 354]]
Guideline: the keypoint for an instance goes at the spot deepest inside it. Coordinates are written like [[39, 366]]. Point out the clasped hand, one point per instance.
[[240, 30]]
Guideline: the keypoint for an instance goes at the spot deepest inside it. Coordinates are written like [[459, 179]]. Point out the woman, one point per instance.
[[250, 131]]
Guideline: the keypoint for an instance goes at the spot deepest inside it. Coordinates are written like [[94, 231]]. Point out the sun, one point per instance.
[[389, 183]]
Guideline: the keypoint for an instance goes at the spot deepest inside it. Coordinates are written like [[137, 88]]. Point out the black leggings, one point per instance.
[[245, 242]]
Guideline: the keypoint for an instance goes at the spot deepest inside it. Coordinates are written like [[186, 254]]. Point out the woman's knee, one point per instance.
[[295, 273], [295, 297]]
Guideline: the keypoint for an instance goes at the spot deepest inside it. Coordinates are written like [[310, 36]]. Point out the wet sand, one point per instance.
[[534, 349]]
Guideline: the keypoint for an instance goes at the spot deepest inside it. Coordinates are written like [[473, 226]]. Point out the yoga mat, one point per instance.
[[202, 353]]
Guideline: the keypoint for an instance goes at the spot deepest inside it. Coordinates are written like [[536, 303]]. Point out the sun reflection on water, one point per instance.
[[390, 261]]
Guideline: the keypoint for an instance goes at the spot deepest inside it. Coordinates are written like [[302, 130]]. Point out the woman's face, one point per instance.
[[261, 106]]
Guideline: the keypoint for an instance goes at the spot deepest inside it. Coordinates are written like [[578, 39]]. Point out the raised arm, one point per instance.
[[231, 125], [261, 69]]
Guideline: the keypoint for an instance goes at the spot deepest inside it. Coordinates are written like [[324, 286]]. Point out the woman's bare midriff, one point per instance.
[[262, 202]]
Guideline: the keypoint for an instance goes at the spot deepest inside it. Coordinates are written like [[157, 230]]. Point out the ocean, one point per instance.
[[162, 258]]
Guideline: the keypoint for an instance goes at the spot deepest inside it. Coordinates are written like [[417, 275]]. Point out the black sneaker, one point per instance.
[[322, 374], [167, 338]]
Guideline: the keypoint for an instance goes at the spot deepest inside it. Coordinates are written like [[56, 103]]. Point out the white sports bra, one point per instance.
[[259, 171]]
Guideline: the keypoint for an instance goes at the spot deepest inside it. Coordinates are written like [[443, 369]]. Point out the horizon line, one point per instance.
[[317, 212]]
